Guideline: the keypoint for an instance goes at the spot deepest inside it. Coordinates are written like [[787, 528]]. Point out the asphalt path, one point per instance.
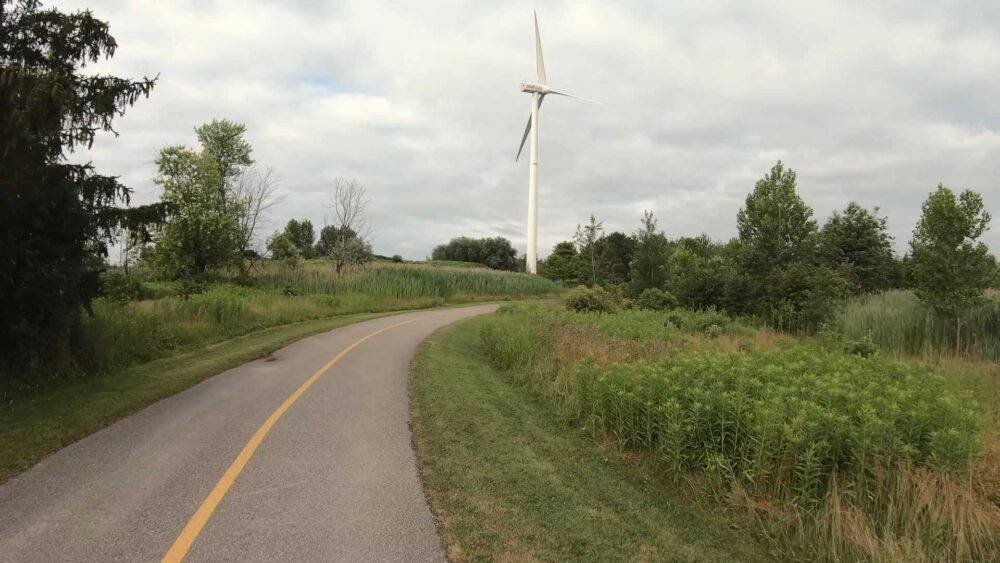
[[331, 476]]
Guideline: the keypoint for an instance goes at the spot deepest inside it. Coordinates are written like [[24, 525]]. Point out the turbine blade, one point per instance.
[[539, 61], [572, 96], [527, 129]]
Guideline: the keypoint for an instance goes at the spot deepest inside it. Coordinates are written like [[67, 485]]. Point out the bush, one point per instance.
[[590, 300], [865, 347], [119, 287], [655, 299]]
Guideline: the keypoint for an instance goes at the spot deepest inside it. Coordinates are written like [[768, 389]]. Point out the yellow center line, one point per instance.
[[194, 526]]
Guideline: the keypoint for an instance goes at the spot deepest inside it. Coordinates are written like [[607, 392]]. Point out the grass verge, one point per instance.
[[508, 480], [40, 423]]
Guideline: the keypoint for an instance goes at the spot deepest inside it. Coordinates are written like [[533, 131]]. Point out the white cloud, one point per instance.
[[876, 102]]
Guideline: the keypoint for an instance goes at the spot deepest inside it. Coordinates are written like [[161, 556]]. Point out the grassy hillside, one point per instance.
[[141, 321]]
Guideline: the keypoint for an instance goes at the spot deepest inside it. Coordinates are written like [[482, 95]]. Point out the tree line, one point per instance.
[[783, 267]]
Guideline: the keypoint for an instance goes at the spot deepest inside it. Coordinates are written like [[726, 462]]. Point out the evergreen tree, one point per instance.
[[58, 217]]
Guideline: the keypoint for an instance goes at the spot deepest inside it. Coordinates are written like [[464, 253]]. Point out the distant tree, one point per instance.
[[329, 235], [951, 267], [59, 218], [202, 235], [302, 235], [857, 242], [615, 251], [649, 260], [776, 227], [699, 273], [281, 247], [349, 208], [561, 265], [586, 239], [253, 195], [778, 254], [223, 139], [496, 253]]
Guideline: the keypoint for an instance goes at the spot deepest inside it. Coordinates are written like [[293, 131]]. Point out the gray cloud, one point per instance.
[[874, 102]]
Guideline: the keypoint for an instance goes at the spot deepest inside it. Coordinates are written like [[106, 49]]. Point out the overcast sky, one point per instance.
[[876, 102]]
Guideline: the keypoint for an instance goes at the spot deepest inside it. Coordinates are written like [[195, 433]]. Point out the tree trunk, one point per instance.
[[958, 336]]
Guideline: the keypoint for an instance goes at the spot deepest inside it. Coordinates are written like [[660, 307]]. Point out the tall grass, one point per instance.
[[897, 322], [408, 281], [123, 333], [840, 457]]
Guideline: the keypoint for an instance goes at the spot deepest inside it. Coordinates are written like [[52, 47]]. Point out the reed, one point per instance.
[[898, 323]]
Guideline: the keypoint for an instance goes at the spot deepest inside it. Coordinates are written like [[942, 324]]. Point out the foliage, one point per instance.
[[699, 274], [775, 226], [561, 265], [951, 267], [192, 312], [857, 240], [615, 251], [583, 299], [120, 287], [223, 140], [302, 236], [408, 281], [509, 481], [281, 247], [202, 234], [58, 217], [586, 239], [329, 237], [781, 278], [900, 324], [654, 299], [800, 436], [496, 253], [649, 260]]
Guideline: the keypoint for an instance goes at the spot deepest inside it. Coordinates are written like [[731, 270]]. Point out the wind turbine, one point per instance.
[[538, 92]]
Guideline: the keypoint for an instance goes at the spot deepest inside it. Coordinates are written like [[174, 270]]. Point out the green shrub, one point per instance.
[[595, 299], [117, 286], [654, 299], [865, 347], [811, 433]]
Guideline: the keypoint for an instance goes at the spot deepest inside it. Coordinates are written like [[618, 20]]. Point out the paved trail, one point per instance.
[[332, 479]]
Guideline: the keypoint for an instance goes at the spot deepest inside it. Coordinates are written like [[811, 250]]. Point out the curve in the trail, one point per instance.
[[301, 456]]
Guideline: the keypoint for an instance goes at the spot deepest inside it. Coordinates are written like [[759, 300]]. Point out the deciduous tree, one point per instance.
[[950, 266], [858, 243], [649, 261]]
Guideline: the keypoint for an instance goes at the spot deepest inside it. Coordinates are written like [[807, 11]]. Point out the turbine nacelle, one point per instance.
[[534, 88]]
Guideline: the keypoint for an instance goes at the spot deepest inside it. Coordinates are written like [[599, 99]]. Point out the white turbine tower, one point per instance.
[[538, 92]]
